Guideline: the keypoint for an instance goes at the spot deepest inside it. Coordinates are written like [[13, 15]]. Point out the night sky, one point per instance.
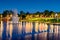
[[30, 5]]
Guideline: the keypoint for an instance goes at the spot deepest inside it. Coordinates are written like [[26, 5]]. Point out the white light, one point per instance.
[[15, 17], [56, 14]]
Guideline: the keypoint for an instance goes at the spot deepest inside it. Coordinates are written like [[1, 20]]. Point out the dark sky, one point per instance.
[[30, 5]]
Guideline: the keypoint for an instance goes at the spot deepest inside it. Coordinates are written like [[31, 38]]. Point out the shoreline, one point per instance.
[[36, 21]]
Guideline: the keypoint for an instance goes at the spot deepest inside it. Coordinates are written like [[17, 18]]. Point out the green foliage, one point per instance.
[[18, 15], [46, 13], [58, 20], [7, 12], [53, 20], [22, 13], [27, 13], [37, 12], [23, 16]]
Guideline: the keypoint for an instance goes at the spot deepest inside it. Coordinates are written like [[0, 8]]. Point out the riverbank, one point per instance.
[[45, 20], [38, 26]]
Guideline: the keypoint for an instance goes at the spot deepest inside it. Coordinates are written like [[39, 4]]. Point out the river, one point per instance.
[[29, 31]]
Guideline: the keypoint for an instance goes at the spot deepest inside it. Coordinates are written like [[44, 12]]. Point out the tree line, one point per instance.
[[46, 13]]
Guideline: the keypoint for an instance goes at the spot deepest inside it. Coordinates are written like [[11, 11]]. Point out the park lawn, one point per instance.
[[46, 20], [40, 19]]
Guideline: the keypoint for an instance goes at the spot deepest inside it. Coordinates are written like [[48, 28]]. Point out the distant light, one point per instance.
[[56, 14]]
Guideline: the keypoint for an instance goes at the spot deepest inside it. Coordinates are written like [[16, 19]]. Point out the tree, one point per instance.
[[51, 13], [0, 15], [22, 12], [27, 13], [10, 12], [58, 14], [7, 12], [23, 16], [46, 13], [18, 15], [37, 12]]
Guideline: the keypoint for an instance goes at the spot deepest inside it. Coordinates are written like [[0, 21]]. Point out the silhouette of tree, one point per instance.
[[22, 12], [27, 13], [37, 12], [51, 12], [23, 16], [7, 12], [0, 15], [46, 13], [18, 15]]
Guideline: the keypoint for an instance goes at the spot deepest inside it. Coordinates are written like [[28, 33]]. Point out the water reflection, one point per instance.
[[30, 31], [4, 36]]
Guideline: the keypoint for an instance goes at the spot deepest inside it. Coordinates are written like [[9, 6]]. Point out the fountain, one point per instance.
[[15, 24], [13, 33], [15, 17]]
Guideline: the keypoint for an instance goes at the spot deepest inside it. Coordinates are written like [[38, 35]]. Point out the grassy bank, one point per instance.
[[47, 20]]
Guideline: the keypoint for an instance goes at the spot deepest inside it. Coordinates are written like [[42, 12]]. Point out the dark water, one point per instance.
[[40, 35]]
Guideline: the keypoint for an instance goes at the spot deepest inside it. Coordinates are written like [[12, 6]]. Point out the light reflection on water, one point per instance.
[[30, 31]]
